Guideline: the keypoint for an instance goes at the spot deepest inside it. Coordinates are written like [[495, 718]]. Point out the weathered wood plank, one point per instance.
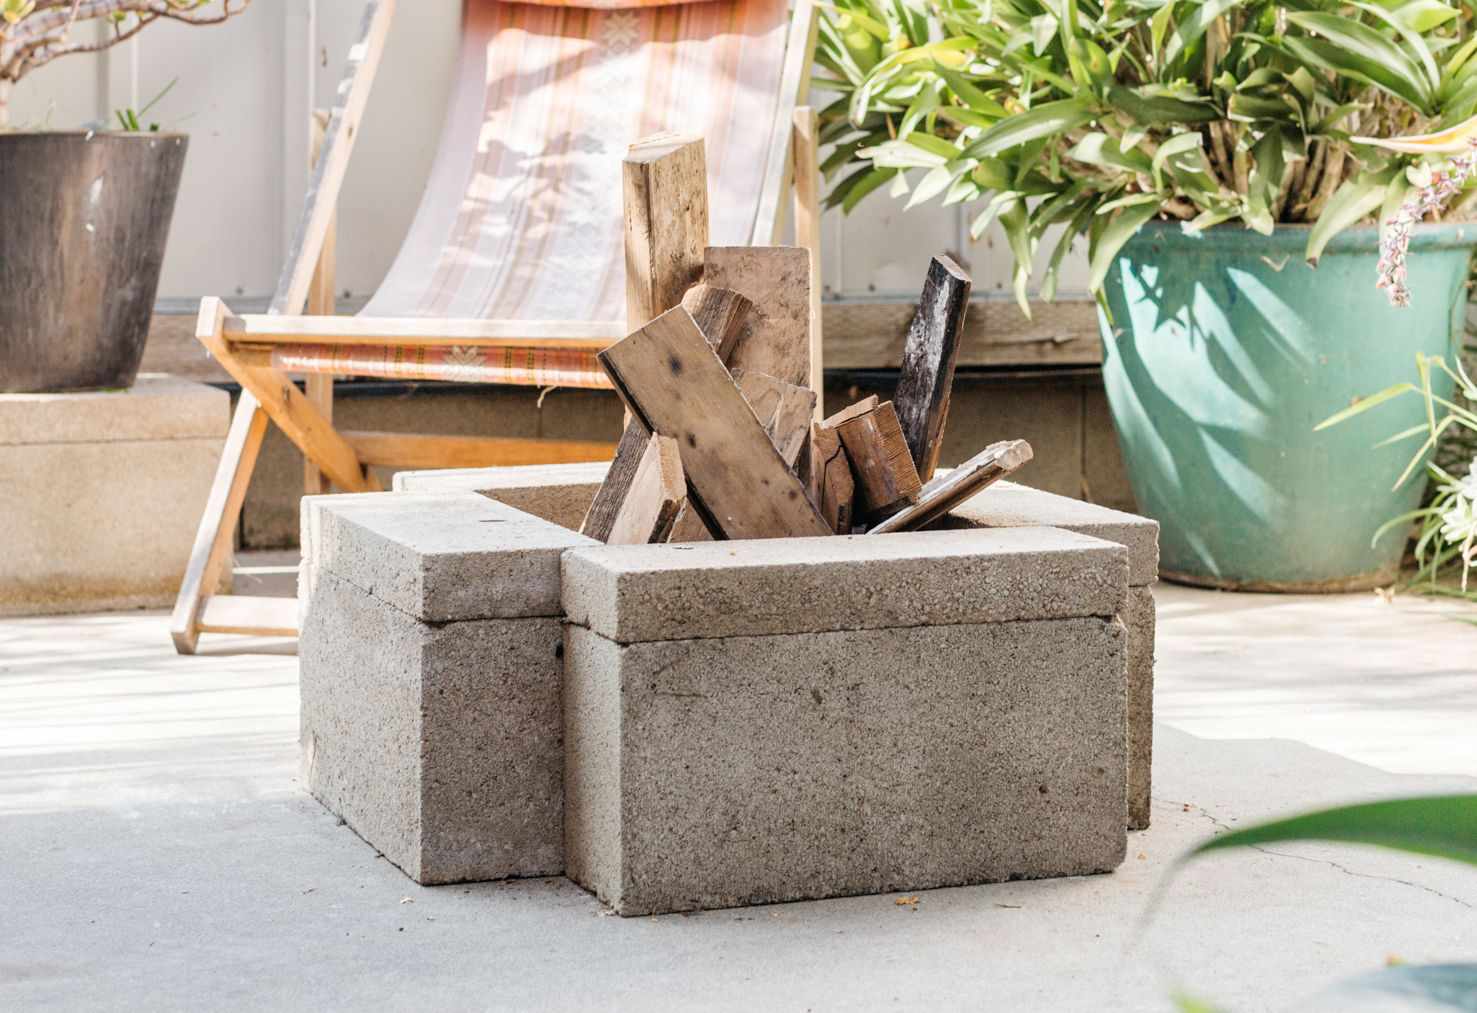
[[666, 213], [804, 154], [832, 488], [657, 495], [724, 316], [665, 202], [927, 376], [855, 411], [872, 334], [954, 487], [783, 409], [671, 379], [886, 479], [420, 450], [777, 280]]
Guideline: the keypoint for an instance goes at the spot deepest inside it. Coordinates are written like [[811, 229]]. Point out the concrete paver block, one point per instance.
[[101, 493], [1006, 504], [439, 557], [745, 770], [439, 744], [1139, 619], [799, 585]]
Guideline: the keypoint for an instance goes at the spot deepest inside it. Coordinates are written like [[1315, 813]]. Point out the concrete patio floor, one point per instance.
[[156, 852]]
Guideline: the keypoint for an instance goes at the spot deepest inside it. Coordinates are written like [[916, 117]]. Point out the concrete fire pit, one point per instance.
[[486, 693]]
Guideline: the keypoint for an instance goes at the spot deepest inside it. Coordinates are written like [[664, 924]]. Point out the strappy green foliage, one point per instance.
[[1097, 116]]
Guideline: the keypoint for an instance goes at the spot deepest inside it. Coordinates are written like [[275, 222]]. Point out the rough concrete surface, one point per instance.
[[439, 744], [634, 593], [748, 770], [439, 557], [1007, 504], [157, 851], [101, 493], [156, 407], [1138, 619]]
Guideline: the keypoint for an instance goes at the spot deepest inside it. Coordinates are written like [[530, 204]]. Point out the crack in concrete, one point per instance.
[[1221, 825]]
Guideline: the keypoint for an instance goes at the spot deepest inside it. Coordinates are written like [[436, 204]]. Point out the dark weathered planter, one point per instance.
[[81, 244]]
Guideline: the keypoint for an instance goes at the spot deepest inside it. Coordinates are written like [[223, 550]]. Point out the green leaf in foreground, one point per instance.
[[1442, 826]]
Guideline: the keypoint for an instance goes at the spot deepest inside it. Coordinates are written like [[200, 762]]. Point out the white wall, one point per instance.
[[244, 92]]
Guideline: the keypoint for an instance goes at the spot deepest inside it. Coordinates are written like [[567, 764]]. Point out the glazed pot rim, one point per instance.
[[91, 135], [1294, 238]]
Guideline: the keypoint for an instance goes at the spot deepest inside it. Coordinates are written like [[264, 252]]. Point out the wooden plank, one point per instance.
[[270, 329], [665, 197], [862, 407], [689, 527], [338, 144], [777, 280], [725, 317], [886, 479], [807, 185], [672, 381], [794, 85], [317, 387], [665, 202], [927, 377], [783, 409], [872, 334], [257, 616], [950, 489], [832, 487], [216, 535], [419, 450], [293, 413], [658, 494]]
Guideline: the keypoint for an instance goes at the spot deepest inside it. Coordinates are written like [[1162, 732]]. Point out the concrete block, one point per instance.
[[439, 744], [746, 770], [633, 593], [438, 557], [1007, 504], [1139, 619], [559, 493], [101, 493]]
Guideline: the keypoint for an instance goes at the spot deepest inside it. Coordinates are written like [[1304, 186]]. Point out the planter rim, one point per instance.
[[1294, 238], [92, 135]]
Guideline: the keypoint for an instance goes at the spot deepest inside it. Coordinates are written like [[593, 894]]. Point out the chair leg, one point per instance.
[[213, 541], [805, 180]]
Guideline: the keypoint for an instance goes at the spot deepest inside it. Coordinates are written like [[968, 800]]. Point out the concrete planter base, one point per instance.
[[719, 723], [101, 492]]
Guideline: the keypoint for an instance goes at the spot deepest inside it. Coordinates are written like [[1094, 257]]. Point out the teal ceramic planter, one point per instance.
[[1225, 350]]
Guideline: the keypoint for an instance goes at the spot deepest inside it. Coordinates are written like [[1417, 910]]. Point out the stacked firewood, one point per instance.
[[718, 448]]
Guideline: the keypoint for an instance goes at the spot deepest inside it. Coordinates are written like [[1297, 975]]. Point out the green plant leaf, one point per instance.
[[1100, 149], [1264, 181], [1145, 106], [1364, 404], [1190, 29], [1110, 240], [1041, 121], [1349, 47], [1354, 200], [1441, 826]]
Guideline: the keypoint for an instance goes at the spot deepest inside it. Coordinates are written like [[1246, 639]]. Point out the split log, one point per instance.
[[657, 495], [777, 280], [952, 488], [832, 489], [886, 479], [929, 356], [672, 381], [783, 409]]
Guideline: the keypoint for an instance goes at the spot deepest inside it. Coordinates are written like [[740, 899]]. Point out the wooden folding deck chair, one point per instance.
[[512, 271]]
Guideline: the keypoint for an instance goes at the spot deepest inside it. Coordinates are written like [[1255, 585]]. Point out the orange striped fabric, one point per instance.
[[539, 367], [611, 5]]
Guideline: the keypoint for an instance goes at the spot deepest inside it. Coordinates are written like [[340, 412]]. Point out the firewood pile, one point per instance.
[[722, 439], [715, 449]]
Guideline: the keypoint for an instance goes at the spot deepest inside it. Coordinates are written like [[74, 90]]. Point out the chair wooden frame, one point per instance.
[[302, 311]]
